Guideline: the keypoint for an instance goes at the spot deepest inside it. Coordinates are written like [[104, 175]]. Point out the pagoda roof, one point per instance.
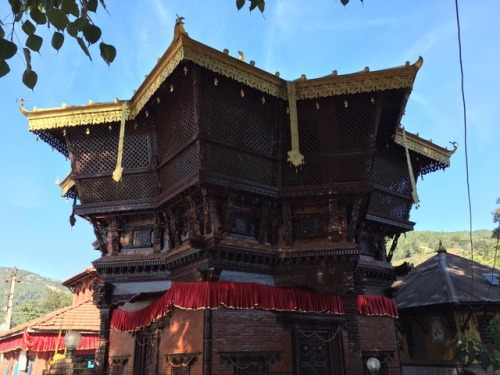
[[446, 279], [183, 48]]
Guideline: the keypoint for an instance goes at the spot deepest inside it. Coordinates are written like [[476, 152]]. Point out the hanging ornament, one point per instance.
[[317, 105], [242, 93], [185, 70], [263, 100], [171, 88], [346, 104], [216, 82], [87, 131]]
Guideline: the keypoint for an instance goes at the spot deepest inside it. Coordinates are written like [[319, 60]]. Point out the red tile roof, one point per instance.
[[83, 317]]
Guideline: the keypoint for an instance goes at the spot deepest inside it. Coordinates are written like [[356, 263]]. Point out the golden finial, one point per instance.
[[241, 56]]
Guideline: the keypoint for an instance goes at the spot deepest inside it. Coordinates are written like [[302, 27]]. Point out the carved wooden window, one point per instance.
[[180, 363], [318, 350], [141, 237], [146, 353], [250, 363], [311, 225], [242, 223]]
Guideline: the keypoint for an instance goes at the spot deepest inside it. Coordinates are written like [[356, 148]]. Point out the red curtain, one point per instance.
[[377, 305], [12, 343], [214, 295], [44, 342]]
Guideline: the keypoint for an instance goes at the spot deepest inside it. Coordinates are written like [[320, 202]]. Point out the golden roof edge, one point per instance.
[[424, 147]]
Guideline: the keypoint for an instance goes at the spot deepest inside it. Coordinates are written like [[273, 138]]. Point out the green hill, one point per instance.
[[34, 295], [416, 247]]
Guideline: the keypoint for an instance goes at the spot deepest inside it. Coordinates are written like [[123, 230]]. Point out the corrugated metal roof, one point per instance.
[[446, 279]]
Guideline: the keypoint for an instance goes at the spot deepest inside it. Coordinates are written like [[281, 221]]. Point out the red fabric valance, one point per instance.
[[214, 295], [377, 305], [12, 343], [44, 342]]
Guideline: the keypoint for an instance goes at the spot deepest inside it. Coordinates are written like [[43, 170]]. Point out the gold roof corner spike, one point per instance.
[[66, 185]]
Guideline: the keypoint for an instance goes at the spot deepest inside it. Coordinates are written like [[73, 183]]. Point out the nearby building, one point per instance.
[[242, 219], [439, 298], [29, 347]]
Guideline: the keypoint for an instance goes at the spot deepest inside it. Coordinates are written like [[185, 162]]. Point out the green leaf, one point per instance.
[[92, 5], [4, 68], [84, 48], [91, 32], [70, 7], [15, 6], [240, 4], [30, 78], [108, 52], [57, 18], [57, 40], [72, 29], [2, 33], [7, 49], [38, 16], [28, 27], [34, 42], [344, 2], [262, 5]]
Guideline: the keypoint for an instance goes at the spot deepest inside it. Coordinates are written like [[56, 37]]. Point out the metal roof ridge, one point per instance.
[[450, 288]]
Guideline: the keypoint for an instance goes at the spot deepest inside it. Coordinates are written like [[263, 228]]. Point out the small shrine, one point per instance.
[[242, 219]]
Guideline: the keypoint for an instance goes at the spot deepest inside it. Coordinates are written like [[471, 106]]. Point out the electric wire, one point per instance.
[[462, 89]]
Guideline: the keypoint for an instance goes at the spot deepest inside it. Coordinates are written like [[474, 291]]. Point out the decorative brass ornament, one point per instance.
[[294, 155]]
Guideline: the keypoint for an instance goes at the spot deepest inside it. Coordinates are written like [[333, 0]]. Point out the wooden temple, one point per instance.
[[242, 219]]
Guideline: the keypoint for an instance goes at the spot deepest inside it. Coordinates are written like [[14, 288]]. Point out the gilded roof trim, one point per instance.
[[184, 48], [366, 81], [423, 147], [92, 114]]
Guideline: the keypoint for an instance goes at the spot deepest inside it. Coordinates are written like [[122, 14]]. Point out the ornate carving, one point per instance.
[[287, 223], [113, 237], [174, 232], [229, 213], [194, 221]]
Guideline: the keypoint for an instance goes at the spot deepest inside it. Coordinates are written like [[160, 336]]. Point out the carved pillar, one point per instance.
[[102, 296], [352, 324]]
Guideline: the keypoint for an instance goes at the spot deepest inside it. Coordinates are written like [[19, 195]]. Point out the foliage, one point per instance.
[[496, 219], [473, 350], [261, 4], [20, 31], [416, 247], [32, 309], [34, 296]]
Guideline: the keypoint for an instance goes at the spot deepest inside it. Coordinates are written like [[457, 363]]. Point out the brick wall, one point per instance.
[[249, 330], [378, 333]]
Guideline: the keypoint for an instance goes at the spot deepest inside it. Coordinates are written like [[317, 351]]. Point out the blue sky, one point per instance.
[[294, 38]]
